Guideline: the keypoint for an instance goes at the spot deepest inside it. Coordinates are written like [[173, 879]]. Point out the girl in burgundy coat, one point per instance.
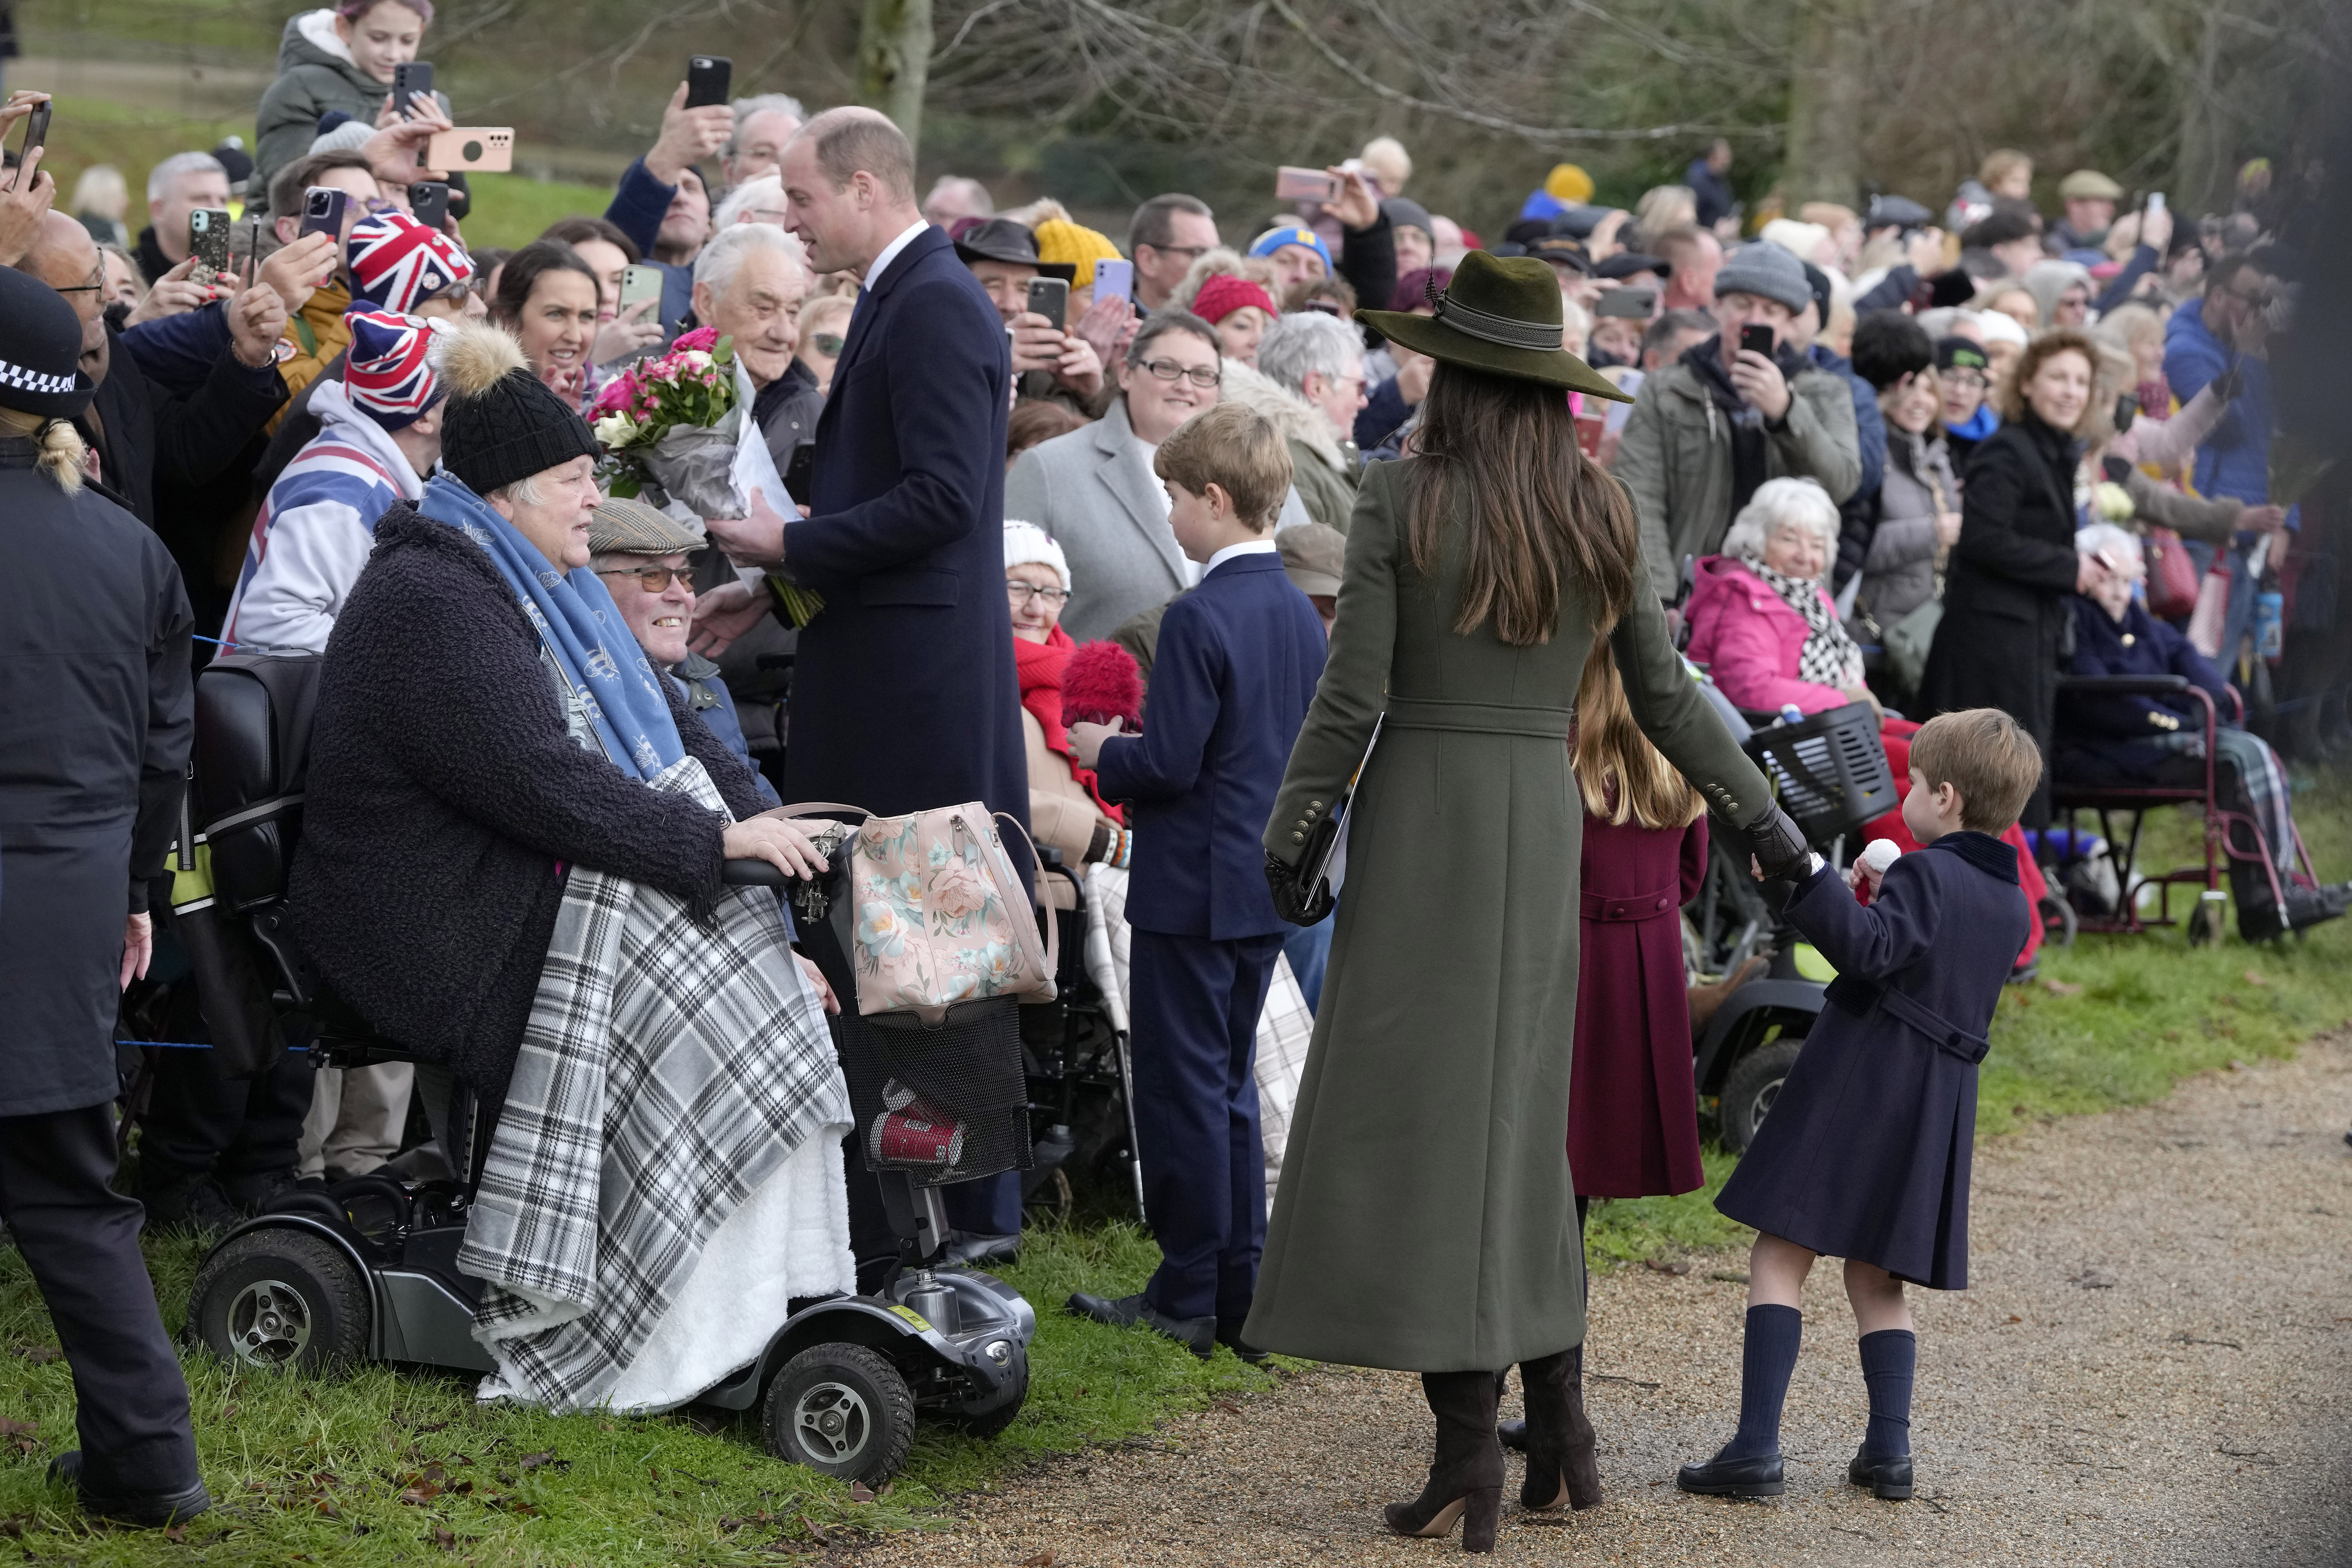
[[1632, 1109]]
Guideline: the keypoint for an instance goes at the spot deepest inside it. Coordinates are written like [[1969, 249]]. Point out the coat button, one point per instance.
[[1299, 836], [1663, 904]]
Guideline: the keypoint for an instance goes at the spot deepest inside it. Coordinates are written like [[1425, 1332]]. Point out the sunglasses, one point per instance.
[[654, 579]]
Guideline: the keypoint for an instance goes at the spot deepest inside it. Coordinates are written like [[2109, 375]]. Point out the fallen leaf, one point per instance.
[[445, 1538], [9, 1428], [2256, 977], [39, 1355], [532, 1461], [860, 1492], [2062, 988], [1039, 1560], [14, 1525], [2015, 1318], [1677, 1265], [177, 1534], [822, 1539]]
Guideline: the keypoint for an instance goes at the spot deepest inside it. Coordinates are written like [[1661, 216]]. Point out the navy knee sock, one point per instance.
[[1889, 1358], [1767, 1361]]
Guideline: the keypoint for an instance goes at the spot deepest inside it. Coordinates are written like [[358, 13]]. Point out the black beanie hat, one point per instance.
[[40, 350], [501, 423]]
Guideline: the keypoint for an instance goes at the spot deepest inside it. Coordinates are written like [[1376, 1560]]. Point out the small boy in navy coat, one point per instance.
[[1866, 1155], [1235, 672]]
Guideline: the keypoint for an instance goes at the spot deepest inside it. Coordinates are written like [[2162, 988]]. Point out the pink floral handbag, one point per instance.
[[941, 915]]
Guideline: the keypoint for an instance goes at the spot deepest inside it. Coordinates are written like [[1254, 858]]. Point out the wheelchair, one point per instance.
[[366, 1270], [2132, 802]]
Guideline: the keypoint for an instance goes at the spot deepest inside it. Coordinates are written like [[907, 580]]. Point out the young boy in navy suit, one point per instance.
[[1866, 1155], [1237, 668]]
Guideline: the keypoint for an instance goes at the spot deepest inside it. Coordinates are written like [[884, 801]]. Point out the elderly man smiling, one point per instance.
[[749, 283]]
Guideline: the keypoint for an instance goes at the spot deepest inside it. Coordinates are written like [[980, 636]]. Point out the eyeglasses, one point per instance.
[[654, 579], [1169, 370], [829, 343], [1191, 253], [1020, 593], [1964, 380]]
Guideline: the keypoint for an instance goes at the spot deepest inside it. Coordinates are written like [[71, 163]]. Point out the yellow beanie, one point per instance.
[[1569, 184], [1060, 241]]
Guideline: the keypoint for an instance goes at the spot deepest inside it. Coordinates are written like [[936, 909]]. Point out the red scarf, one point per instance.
[[1040, 666]]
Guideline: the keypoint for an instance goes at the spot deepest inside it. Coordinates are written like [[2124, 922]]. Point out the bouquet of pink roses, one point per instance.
[[678, 431]]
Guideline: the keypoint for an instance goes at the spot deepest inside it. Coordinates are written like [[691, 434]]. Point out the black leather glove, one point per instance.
[[1779, 846], [1291, 901]]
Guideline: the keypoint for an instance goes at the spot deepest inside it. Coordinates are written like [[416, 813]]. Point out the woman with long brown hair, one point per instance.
[[1426, 1217]]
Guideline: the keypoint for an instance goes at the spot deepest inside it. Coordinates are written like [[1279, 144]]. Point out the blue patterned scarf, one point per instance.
[[578, 625]]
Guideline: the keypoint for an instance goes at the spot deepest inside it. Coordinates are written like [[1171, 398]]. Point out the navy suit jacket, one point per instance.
[[1231, 684], [904, 695]]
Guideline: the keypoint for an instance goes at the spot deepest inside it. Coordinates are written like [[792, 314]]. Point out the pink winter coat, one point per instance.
[[1749, 640]]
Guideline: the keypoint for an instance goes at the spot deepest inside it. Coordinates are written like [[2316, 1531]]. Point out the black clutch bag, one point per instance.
[[1305, 894]]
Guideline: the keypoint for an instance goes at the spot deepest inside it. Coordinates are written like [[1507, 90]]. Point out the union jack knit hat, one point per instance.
[[386, 373], [396, 261]]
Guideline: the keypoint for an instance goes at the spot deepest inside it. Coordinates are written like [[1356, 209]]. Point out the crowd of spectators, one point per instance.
[[1917, 460]]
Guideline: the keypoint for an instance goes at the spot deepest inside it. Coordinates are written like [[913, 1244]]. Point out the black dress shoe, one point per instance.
[[1232, 1339], [1512, 1434], [1198, 1335], [197, 1205], [148, 1511], [1719, 1477], [1887, 1476]]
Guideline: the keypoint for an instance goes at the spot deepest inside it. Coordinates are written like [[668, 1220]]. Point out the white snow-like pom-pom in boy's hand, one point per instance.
[[1870, 867]]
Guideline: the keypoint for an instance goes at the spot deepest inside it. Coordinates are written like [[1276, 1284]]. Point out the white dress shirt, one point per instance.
[[1247, 547], [890, 254]]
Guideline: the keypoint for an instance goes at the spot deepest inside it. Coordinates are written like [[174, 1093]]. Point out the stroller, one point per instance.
[[367, 1268]]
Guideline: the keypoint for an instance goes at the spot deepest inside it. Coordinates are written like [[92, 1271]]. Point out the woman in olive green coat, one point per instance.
[[1426, 1218]]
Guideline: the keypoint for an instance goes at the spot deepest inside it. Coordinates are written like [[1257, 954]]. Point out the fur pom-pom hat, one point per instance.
[[1103, 682], [502, 424]]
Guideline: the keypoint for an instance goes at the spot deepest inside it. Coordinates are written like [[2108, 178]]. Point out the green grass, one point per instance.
[[316, 1471]]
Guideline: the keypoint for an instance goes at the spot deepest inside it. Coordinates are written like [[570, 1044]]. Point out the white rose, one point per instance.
[[616, 429], [696, 359]]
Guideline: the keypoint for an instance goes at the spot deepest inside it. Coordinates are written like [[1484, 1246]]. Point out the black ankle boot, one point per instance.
[[1561, 1471], [1466, 1479]]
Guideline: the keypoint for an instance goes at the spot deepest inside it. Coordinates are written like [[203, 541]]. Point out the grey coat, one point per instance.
[[1899, 573], [1676, 457], [1094, 491]]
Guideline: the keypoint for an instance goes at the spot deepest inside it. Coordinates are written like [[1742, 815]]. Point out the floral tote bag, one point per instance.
[[942, 916]]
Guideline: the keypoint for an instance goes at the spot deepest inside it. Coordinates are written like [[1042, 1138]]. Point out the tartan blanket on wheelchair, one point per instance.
[[668, 1076]]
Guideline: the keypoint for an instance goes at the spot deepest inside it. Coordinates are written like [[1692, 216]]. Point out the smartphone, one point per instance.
[[1756, 339], [208, 233], [489, 147], [411, 79], [37, 131], [1295, 185], [322, 212], [1050, 297], [428, 203], [2156, 201], [1113, 280], [707, 77], [639, 283]]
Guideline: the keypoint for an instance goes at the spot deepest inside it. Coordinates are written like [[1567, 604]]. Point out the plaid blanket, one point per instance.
[[669, 1073]]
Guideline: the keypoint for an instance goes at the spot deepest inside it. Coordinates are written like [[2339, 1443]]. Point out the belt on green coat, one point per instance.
[[1479, 718]]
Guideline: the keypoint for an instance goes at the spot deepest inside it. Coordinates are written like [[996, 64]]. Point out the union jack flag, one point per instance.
[[396, 261]]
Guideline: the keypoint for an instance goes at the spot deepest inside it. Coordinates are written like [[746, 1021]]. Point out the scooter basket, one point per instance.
[[1829, 771]]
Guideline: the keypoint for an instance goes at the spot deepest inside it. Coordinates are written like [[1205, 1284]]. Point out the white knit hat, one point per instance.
[[1025, 542]]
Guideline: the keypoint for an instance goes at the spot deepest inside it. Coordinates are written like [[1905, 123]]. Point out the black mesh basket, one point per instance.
[[1828, 772]]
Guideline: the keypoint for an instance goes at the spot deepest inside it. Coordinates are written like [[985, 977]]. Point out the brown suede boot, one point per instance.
[[1560, 1469], [1466, 1479]]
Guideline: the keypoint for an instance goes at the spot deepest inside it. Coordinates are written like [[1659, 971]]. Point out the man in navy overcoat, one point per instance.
[[903, 696]]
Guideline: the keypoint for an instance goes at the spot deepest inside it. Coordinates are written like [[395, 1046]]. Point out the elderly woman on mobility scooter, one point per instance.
[[1426, 1219], [510, 866]]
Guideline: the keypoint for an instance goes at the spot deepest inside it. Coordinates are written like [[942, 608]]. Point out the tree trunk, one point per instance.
[[894, 57], [1826, 88]]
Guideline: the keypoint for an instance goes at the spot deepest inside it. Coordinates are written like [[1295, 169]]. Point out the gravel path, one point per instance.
[[2154, 1367]]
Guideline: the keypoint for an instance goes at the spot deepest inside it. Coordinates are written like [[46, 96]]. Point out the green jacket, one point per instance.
[[315, 74], [1328, 494], [1426, 1217], [1676, 457]]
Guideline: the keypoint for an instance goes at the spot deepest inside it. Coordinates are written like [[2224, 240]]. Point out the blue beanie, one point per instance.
[[1274, 240]]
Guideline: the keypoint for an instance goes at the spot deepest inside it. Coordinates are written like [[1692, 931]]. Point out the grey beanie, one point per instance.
[[1405, 213], [1765, 272]]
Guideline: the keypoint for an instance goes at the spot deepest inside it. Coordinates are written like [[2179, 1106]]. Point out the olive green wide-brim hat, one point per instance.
[[1501, 314]]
